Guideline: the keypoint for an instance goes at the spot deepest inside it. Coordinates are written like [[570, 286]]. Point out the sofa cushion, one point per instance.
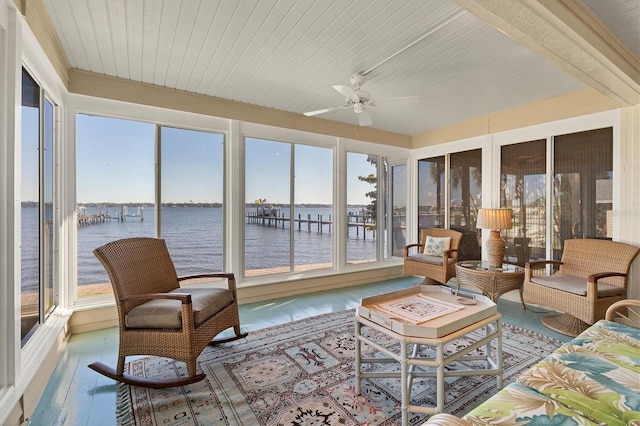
[[516, 404], [597, 374], [167, 313], [575, 285]]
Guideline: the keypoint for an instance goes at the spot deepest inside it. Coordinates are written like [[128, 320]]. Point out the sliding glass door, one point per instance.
[[37, 206], [523, 189]]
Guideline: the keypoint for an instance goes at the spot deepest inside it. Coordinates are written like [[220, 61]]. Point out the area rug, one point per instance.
[[302, 373]]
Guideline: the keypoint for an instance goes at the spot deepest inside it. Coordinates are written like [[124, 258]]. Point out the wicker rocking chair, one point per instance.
[[158, 317], [438, 269], [592, 276]]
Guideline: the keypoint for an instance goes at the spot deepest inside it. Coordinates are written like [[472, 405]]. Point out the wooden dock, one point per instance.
[[92, 219], [318, 224], [85, 219]]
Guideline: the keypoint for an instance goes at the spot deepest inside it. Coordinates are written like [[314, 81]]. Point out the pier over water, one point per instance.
[[85, 219], [319, 224]]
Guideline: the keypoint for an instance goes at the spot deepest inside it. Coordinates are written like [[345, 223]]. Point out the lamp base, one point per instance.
[[495, 249]]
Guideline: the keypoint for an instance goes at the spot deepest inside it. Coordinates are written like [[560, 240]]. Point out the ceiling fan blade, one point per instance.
[[346, 91], [364, 119], [322, 111]]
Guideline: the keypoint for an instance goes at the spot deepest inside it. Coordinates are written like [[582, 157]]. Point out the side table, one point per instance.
[[493, 282], [453, 336]]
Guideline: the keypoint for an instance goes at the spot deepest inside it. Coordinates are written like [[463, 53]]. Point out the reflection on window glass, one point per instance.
[[115, 184], [431, 193], [523, 189], [267, 210], [465, 183], [192, 194], [47, 225], [313, 216], [362, 207], [31, 216], [582, 185], [398, 225]]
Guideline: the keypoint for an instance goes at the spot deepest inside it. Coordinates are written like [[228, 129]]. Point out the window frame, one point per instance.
[[45, 177], [147, 114]]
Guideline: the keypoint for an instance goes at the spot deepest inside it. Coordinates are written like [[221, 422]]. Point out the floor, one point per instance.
[[76, 395]]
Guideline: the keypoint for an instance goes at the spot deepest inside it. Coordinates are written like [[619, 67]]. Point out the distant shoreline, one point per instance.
[[217, 205]]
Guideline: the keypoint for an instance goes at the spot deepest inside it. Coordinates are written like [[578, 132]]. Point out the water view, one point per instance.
[[194, 236]]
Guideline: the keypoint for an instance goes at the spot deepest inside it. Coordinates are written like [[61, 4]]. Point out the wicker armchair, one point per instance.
[[433, 268], [592, 275], [158, 317]]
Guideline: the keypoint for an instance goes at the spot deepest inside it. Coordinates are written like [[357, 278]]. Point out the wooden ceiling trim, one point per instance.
[[101, 86], [38, 20]]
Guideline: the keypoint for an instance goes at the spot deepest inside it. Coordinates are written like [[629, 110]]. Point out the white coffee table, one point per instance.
[[412, 364]]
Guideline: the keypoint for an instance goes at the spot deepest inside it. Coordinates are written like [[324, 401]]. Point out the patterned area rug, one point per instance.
[[302, 373]]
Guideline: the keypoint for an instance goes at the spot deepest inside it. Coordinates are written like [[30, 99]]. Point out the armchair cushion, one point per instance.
[[167, 313], [425, 258], [436, 246], [576, 285]]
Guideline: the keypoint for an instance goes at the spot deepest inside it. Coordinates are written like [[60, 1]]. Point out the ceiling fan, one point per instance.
[[357, 99]]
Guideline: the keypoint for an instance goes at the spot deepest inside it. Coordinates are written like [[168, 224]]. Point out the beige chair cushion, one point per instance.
[[576, 285], [165, 313], [425, 258]]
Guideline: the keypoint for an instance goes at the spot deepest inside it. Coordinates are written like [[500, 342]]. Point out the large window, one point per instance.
[[465, 198], [116, 193], [362, 207], [268, 195], [313, 215], [37, 195], [192, 175], [115, 188], [396, 194], [523, 188], [431, 193], [581, 202], [582, 186], [459, 194], [289, 207]]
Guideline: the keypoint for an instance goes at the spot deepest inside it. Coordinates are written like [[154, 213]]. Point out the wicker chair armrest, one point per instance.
[[448, 253], [595, 277], [541, 263], [182, 297], [410, 246], [592, 282], [231, 278], [445, 419]]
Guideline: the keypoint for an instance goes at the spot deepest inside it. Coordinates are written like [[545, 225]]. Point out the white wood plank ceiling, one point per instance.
[[286, 54]]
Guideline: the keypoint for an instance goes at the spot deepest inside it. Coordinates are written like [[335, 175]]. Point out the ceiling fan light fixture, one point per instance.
[[358, 107]]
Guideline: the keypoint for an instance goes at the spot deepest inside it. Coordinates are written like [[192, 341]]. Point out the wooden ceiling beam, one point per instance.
[[570, 36]]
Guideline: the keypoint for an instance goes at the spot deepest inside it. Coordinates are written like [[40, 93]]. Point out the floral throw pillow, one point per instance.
[[435, 246]]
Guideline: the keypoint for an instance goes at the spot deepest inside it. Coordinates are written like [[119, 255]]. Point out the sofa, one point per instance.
[[592, 380]]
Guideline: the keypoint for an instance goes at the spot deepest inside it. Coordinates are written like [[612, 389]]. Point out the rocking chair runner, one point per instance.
[[158, 317]]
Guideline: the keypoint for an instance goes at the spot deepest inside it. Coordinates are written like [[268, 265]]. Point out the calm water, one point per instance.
[[194, 237]]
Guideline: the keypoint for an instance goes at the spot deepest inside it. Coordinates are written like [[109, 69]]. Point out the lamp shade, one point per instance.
[[494, 219]]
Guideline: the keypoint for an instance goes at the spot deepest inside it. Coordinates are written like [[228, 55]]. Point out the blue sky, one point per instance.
[[115, 162]]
